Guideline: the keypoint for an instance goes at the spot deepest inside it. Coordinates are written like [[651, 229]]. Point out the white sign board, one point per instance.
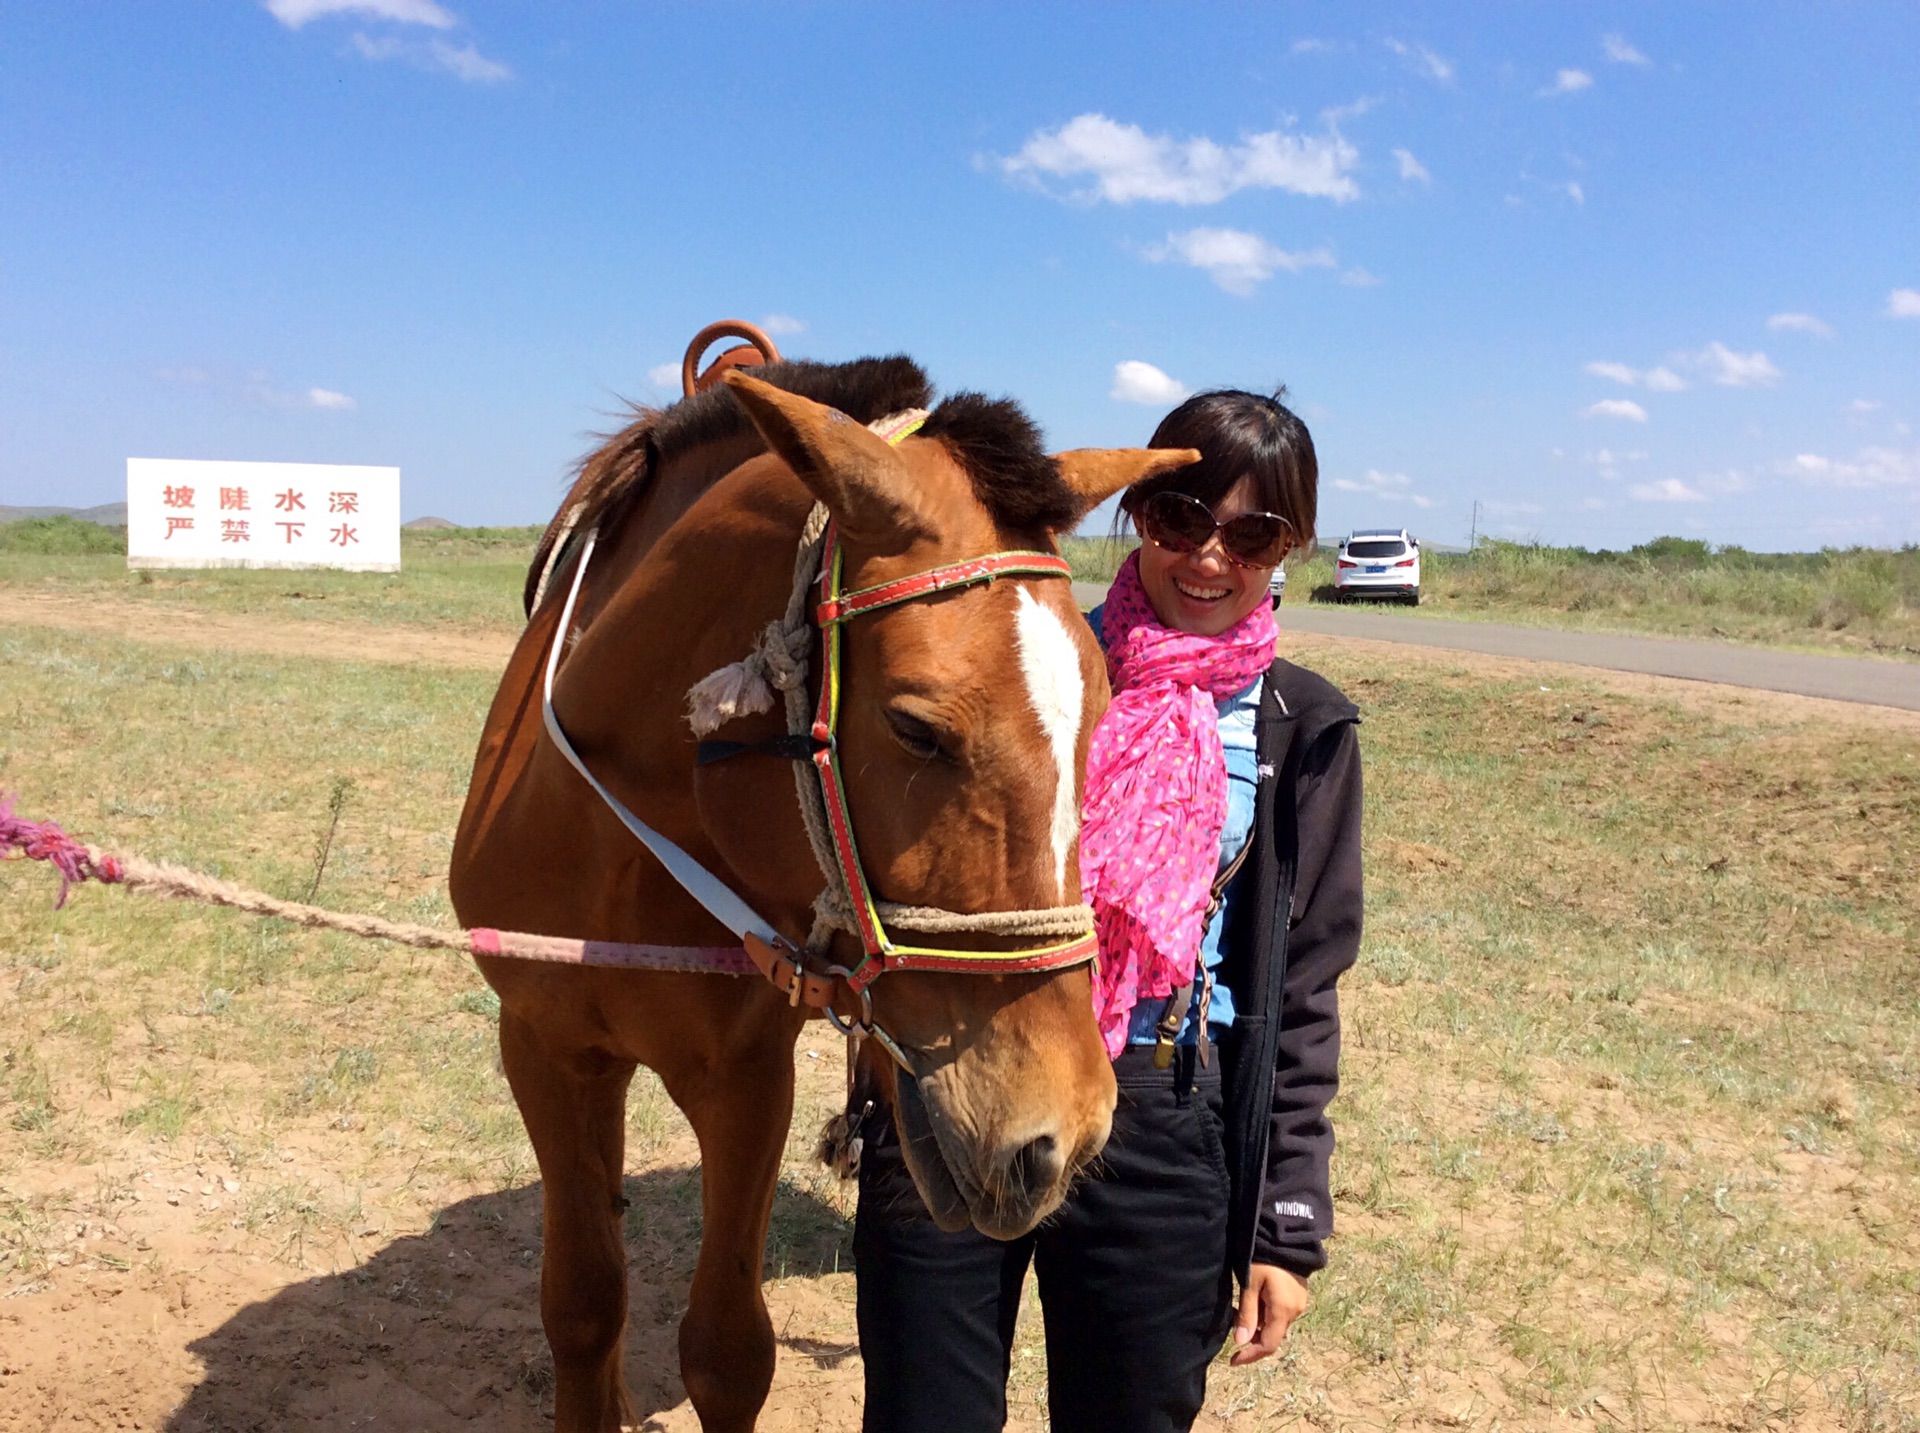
[[189, 513]]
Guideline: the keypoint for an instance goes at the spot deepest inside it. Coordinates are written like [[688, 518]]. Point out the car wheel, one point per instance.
[[1413, 598]]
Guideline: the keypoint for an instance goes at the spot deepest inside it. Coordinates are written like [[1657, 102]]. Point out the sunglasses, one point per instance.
[[1182, 524]]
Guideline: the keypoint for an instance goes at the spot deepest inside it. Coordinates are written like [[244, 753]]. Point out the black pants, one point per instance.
[[1133, 1277]]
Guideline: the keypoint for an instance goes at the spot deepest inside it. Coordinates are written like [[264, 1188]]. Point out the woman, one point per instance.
[[1220, 849]]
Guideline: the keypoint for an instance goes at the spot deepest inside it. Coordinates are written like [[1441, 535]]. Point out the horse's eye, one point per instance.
[[916, 737]]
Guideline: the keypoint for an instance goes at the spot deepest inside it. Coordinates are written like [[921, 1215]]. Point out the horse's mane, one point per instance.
[[993, 439]]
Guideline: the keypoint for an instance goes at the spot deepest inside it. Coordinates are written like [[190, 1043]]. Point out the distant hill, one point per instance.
[[107, 514], [427, 524]]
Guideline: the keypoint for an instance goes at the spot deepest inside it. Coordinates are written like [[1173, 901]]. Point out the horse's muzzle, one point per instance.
[[1001, 1186]]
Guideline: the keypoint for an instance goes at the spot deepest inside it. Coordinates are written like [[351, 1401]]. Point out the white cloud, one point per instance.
[[461, 61], [1667, 490], [1622, 53], [330, 400], [1729, 369], [1387, 487], [467, 63], [1411, 168], [1656, 380], [664, 375], [1137, 382], [1310, 46], [295, 13], [387, 47], [1237, 261], [1339, 114], [781, 325], [1617, 408], [1359, 278], [1903, 303], [1102, 159], [1568, 82], [1869, 468], [1433, 66], [1799, 323], [1865, 405], [1607, 462], [1573, 190]]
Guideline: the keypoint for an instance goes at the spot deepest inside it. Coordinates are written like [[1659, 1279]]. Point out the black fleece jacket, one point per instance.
[[1284, 953]]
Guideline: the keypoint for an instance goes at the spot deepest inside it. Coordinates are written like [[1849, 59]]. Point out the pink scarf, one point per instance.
[[1156, 795]]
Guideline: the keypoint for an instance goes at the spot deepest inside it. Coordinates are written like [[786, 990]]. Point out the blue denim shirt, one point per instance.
[[1243, 773]]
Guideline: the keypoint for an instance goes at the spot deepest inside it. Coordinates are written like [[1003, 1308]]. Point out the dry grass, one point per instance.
[[1855, 600], [1629, 1130]]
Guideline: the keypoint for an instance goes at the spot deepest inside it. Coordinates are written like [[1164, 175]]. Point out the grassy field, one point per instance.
[[1630, 1131], [1863, 600]]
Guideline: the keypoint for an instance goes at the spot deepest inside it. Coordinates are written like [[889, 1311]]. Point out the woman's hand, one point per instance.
[[1271, 1301]]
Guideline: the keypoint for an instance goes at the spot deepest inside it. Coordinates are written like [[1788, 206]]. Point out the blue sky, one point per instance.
[[1608, 271]]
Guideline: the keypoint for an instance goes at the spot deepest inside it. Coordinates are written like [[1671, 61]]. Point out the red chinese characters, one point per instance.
[[234, 529], [180, 497], [343, 502], [344, 536], [233, 500], [291, 530], [292, 500], [178, 524]]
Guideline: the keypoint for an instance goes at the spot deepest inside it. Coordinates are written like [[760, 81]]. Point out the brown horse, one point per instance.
[[964, 723]]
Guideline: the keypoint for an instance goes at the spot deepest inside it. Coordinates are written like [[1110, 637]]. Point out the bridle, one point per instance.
[[802, 973]]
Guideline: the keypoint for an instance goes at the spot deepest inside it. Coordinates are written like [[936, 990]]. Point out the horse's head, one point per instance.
[[963, 729]]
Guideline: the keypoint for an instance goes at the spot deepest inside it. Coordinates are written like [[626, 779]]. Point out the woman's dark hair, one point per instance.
[[1239, 435]]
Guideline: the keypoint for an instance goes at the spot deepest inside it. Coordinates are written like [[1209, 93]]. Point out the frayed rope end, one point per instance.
[[778, 662], [44, 841], [735, 690]]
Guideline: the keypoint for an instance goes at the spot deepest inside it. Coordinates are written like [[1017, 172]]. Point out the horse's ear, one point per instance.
[[1096, 474], [856, 473]]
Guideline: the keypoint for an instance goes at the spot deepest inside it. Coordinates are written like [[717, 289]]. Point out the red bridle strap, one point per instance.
[[937, 579], [880, 952]]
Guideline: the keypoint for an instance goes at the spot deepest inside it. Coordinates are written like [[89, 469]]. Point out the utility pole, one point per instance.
[[1473, 531]]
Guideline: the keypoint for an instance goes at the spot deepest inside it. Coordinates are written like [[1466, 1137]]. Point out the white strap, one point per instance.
[[700, 883]]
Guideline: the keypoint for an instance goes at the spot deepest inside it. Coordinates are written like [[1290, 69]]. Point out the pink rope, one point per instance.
[[44, 841], [78, 862]]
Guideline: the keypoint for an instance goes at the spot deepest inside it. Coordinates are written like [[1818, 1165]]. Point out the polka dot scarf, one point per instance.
[[1156, 795]]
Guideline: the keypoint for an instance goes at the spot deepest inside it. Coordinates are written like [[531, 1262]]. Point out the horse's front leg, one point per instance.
[[740, 1114], [574, 1104]]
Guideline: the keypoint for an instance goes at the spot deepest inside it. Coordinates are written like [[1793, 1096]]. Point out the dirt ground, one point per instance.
[[191, 627], [162, 1307], [169, 1314]]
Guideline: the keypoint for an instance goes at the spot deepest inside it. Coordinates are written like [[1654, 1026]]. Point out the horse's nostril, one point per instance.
[[1036, 1166]]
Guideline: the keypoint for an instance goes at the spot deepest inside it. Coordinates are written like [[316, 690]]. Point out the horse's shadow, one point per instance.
[[442, 1329]]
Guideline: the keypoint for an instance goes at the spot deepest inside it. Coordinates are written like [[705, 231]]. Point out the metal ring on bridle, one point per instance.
[[861, 1026]]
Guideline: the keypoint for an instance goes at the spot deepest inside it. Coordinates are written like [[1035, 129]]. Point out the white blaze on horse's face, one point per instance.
[[1051, 664]]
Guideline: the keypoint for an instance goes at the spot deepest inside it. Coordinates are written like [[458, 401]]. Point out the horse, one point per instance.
[[963, 720]]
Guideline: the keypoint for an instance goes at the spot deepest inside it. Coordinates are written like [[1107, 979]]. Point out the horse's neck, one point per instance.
[[653, 512], [690, 604]]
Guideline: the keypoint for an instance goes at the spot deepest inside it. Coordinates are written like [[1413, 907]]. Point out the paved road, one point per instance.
[[1847, 679]]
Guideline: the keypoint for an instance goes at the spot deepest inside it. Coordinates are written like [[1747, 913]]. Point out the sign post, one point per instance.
[[192, 513]]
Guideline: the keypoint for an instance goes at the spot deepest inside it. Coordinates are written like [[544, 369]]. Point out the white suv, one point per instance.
[[1378, 559]]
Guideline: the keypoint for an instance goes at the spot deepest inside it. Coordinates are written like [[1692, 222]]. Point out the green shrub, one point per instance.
[[61, 536]]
